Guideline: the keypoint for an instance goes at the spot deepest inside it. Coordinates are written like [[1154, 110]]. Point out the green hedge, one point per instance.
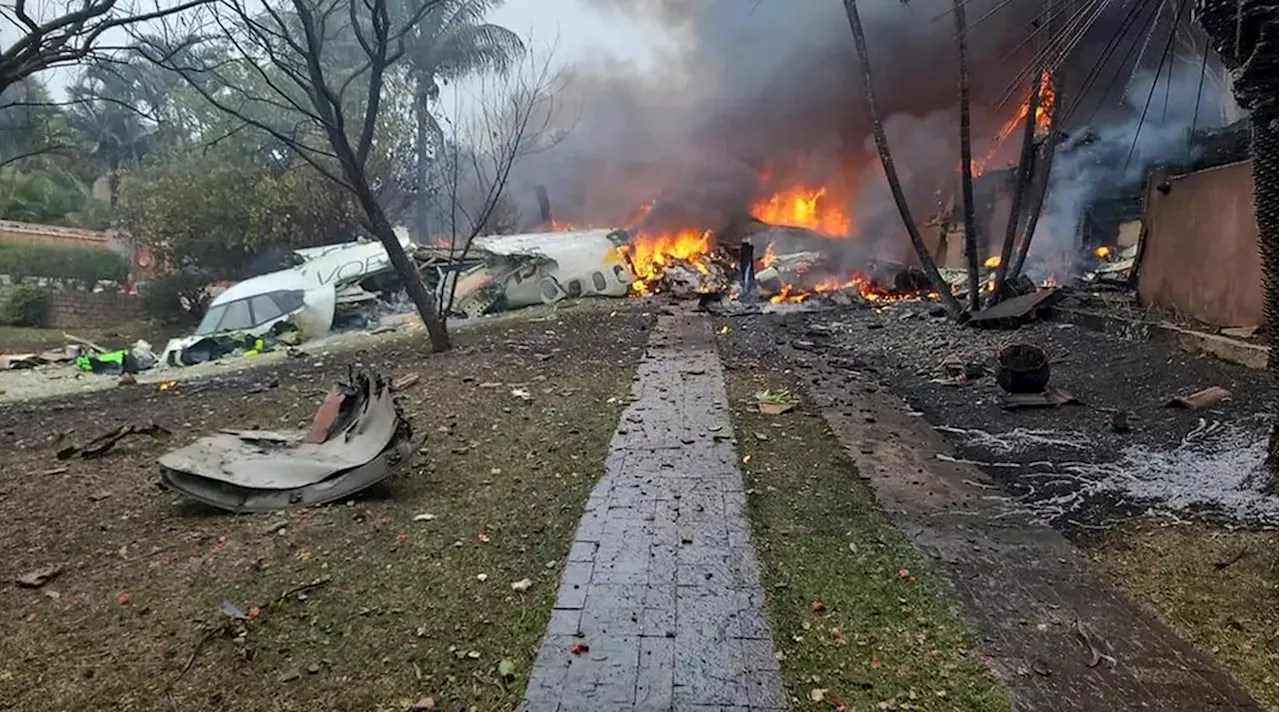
[[87, 265], [27, 305]]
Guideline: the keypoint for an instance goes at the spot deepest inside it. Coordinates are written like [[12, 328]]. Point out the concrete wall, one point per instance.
[[1200, 254], [73, 309]]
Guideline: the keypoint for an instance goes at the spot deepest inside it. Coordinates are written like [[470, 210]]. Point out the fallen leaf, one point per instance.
[[818, 606], [484, 538], [522, 585], [39, 577], [507, 669], [474, 654], [903, 573], [424, 518], [579, 648], [232, 611], [761, 437], [837, 704]]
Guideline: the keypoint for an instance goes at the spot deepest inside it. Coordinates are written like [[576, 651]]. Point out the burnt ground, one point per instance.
[[405, 607], [981, 490], [1068, 465]]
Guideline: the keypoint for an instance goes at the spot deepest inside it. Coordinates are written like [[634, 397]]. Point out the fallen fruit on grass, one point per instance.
[[818, 606], [123, 597]]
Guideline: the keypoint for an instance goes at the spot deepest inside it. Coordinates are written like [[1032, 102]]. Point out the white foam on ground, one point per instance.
[[1210, 469]]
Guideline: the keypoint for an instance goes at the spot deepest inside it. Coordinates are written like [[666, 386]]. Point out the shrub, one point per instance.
[[27, 305], [177, 298], [87, 265]]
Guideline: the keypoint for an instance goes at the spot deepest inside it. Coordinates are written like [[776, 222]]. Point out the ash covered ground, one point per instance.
[[1067, 466]]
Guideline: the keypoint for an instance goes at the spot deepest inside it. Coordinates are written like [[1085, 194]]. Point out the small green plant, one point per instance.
[[27, 305]]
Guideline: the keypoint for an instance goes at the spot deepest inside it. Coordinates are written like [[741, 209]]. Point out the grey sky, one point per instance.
[[581, 31]]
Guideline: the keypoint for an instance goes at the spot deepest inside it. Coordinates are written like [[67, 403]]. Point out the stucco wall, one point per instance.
[[1200, 255]]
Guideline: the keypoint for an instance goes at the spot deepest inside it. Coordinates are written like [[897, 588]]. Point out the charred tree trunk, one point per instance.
[[891, 174], [966, 160], [1043, 164], [1026, 161], [1244, 34]]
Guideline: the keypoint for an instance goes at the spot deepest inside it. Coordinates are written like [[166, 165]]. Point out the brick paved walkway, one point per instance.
[[662, 586]]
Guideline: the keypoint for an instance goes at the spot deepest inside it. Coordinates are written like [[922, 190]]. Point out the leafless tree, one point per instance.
[[64, 33], [890, 172], [311, 74], [507, 117]]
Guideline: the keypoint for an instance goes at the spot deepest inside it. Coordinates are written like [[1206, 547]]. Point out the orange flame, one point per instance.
[[1044, 110], [803, 207], [649, 255], [866, 288]]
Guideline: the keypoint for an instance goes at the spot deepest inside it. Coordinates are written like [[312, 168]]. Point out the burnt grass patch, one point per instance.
[[401, 593]]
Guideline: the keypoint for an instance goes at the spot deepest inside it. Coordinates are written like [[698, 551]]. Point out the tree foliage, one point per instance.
[[219, 210]]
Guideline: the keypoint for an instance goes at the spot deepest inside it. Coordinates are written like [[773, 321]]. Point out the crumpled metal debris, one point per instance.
[[362, 434]]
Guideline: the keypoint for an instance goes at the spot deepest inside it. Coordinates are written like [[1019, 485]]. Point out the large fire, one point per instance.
[[803, 207], [649, 255]]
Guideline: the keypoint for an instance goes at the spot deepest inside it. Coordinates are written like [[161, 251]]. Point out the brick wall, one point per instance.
[[72, 309]]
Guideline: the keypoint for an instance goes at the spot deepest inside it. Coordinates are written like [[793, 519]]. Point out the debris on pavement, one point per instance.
[[40, 576], [1200, 399], [103, 443], [361, 435]]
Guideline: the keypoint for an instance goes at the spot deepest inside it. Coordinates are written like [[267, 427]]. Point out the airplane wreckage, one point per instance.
[[334, 284]]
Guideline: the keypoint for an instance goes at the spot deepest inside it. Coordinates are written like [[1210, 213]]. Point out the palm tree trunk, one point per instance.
[[422, 165], [1263, 149], [1026, 159], [891, 174], [966, 159]]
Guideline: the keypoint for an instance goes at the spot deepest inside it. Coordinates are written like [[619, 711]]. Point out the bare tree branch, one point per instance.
[[71, 37]]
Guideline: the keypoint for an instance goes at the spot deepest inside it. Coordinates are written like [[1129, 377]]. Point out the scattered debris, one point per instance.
[[1200, 399], [103, 443], [1239, 332], [402, 382], [522, 394], [1023, 369], [776, 402], [522, 585], [579, 648], [424, 517], [40, 576], [261, 471], [1014, 312], [1090, 639], [1049, 398], [506, 670]]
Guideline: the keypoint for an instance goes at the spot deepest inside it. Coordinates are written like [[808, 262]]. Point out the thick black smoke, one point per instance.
[[761, 94]]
